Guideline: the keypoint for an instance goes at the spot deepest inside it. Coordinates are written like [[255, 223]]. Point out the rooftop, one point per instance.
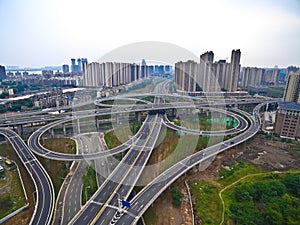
[[290, 106]]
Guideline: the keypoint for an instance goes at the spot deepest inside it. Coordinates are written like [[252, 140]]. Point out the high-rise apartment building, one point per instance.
[[287, 122], [77, 68], [208, 76], [185, 76], [234, 71], [203, 78], [2, 72], [112, 74], [252, 76], [73, 65], [292, 88], [65, 68]]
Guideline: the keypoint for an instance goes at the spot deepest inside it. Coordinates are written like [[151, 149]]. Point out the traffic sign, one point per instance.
[[126, 204]]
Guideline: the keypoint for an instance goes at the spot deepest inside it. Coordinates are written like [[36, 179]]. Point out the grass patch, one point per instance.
[[150, 217], [62, 145], [275, 92], [174, 147], [58, 170], [237, 171], [217, 121], [89, 181], [111, 139], [208, 204], [145, 86], [13, 198], [121, 133]]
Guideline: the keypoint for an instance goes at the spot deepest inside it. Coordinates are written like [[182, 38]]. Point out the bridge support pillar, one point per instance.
[[173, 112], [20, 129], [118, 120], [52, 132], [208, 113], [78, 126], [176, 114], [64, 130], [138, 116], [97, 123]]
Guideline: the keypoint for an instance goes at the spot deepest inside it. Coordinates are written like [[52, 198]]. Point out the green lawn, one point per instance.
[[235, 172], [201, 122]]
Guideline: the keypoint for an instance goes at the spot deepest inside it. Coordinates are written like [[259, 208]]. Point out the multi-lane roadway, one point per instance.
[[45, 197], [141, 202], [104, 206]]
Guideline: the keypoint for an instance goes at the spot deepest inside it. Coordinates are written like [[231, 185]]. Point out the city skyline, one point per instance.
[[36, 34]]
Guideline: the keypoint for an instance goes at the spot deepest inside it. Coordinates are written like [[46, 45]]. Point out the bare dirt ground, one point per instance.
[[264, 154]]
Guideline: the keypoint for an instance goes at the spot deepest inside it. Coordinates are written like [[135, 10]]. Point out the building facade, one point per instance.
[[2, 73], [112, 74], [65, 68], [292, 90], [208, 76], [287, 123]]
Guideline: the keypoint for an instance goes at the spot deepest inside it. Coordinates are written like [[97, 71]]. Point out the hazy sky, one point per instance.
[[49, 32]]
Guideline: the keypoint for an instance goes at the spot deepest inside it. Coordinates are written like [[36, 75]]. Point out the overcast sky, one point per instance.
[[37, 33]]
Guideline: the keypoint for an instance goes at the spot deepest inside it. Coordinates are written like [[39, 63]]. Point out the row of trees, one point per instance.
[[16, 106]]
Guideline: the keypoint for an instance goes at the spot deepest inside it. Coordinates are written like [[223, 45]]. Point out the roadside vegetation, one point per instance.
[[207, 202], [176, 196], [271, 198], [149, 217], [12, 195], [90, 186], [121, 133], [246, 195]]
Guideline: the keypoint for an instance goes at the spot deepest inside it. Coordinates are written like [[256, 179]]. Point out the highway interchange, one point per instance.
[[104, 206]]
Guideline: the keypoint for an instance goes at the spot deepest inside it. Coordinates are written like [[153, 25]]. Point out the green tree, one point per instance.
[[276, 188], [176, 196], [261, 190], [243, 193], [4, 95], [292, 183], [244, 213], [272, 217]]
